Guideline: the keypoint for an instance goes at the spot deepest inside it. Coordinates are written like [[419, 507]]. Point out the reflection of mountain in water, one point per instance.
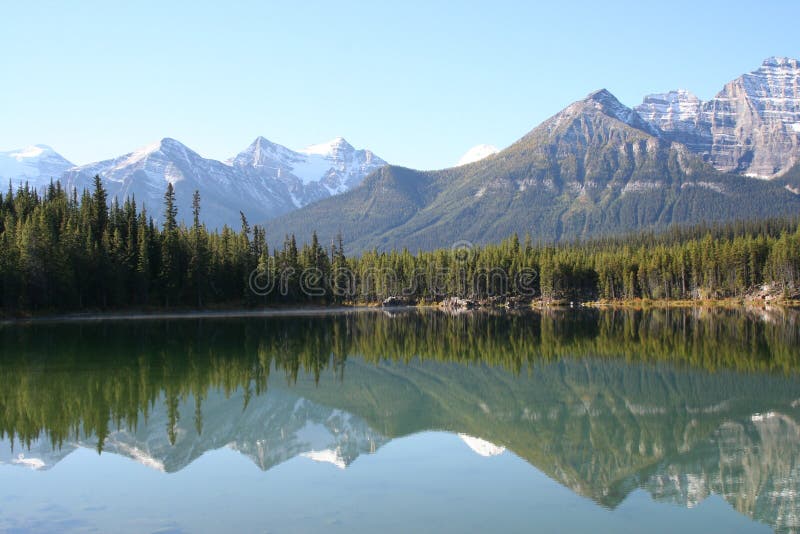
[[270, 429], [754, 465], [603, 428], [620, 416]]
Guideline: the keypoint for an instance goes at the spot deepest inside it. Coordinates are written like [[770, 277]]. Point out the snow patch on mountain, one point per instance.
[[326, 149], [477, 153]]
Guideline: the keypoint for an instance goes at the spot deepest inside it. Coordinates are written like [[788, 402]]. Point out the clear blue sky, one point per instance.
[[417, 82]]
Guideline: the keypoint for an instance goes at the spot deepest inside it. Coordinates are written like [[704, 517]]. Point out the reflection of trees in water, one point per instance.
[[62, 378], [602, 401]]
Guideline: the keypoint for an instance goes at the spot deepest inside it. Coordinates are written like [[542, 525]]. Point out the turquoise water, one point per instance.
[[572, 422]]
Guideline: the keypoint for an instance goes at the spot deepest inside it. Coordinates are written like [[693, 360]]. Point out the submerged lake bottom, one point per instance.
[[406, 420]]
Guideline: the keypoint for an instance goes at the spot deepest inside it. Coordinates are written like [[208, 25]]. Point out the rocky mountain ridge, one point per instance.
[[595, 168], [751, 127], [263, 181]]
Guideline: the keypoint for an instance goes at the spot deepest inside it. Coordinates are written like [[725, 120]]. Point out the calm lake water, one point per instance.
[[597, 421]]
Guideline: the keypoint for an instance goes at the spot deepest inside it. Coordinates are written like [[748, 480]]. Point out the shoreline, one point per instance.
[[233, 313], [729, 303], [317, 310]]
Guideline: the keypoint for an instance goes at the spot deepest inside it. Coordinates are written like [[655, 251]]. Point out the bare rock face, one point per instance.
[[751, 127], [755, 120], [678, 114]]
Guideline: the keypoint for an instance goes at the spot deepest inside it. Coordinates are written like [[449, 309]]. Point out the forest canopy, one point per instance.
[[63, 252]]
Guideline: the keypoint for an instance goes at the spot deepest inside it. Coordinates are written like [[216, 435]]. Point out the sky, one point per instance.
[[418, 83]]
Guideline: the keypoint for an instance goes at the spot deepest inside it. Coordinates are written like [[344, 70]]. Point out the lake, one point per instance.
[[403, 420]]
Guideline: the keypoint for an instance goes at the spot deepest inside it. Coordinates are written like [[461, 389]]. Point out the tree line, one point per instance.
[[63, 251]]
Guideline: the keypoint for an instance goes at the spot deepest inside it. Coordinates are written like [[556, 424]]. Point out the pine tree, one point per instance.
[[171, 272]]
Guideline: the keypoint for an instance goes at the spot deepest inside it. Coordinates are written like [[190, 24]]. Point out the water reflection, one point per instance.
[[680, 403]]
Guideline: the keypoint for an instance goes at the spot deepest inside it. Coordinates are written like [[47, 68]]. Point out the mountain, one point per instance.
[[477, 153], [263, 181], [36, 164], [595, 168], [316, 172], [751, 127], [224, 189]]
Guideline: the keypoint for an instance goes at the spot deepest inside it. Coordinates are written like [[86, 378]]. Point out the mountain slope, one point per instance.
[[751, 127], [36, 164], [594, 168]]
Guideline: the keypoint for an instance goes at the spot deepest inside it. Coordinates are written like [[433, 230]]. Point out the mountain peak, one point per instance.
[[165, 142], [261, 143], [262, 152], [603, 100], [31, 163], [168, 144], [602, 95], [32, 151], [608, 104], [781, 62], [337, 144], [261, 140]]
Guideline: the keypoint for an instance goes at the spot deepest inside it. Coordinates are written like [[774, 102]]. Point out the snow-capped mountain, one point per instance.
[[477, 153], [263, 181], [751, 127], [224, 189], [311, 174], [36, 164]]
